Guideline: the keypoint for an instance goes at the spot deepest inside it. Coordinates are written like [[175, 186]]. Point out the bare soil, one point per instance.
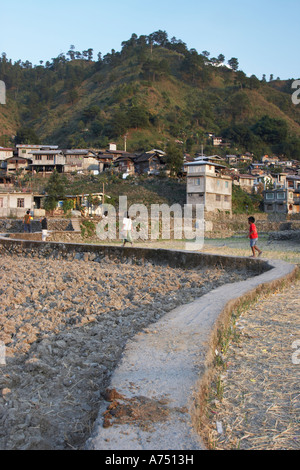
[[255, 403], [64, 325]]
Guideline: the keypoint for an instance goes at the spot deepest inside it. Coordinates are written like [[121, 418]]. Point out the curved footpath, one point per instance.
[[154, 392]]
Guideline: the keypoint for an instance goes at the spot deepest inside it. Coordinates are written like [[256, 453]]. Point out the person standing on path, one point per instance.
[[27, 222], [44, 223], [253, 237]]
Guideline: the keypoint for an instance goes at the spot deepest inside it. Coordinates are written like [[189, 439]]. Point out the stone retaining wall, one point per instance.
[[96, 253], [16, 225], [290, 235], [220, 226]]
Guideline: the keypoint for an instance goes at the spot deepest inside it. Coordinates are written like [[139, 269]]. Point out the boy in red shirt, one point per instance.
[[253, 237]]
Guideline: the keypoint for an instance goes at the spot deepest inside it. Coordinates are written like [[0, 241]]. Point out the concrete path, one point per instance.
[[153, 389]]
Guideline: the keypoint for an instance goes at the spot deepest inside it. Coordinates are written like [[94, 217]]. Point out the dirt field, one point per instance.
[[254, 403], [64, 325]]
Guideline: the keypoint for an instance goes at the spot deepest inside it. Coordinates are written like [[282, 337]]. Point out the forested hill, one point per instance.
[[153, 90]]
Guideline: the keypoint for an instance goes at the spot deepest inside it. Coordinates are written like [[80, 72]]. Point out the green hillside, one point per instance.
[[154, 90]]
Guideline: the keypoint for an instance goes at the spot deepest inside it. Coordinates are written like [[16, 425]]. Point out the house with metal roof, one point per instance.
[[46, 160], [207, 185], [80, 160]]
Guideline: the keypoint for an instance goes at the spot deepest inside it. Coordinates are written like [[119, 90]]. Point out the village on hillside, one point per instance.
[[209, 179]]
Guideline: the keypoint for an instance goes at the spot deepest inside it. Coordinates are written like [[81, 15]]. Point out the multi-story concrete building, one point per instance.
[[46, 160], [285, 197], [25, 149], [208, 186]]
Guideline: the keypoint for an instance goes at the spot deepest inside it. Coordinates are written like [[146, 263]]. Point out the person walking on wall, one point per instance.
[[253, 237], [126, 230]]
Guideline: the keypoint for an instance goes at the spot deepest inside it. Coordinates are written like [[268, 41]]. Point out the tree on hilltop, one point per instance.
[[233, 63]]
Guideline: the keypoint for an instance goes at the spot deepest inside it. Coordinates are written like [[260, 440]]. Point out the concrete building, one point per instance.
[[279, 200], [245, 181], [15, 204], [15, 163], [208, 186], [4, 154], [80, 160], [25, 149], [285, 197], [46, 160]]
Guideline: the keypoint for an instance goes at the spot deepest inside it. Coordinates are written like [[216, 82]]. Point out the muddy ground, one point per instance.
[[63, 327]]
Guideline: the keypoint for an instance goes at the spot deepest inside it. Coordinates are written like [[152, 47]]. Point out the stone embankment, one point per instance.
[[16, 225], [217, 226], [290, 235]]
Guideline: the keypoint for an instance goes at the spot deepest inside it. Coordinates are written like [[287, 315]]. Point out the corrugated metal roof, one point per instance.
[[45, 152]]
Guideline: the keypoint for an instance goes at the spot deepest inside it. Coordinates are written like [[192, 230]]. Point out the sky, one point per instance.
[[262, 34]]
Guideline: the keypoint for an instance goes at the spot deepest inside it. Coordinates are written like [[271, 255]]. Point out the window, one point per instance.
[[50, 157], [269, 196], [281, 195], [20, 202], [194, 181], [226, 184], [218, 197], [226, 198], [38, 157], [1, 201], [194, 169]]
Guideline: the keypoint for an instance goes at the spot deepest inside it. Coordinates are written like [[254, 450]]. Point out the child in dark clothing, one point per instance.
[[253, 237], [44, 223]]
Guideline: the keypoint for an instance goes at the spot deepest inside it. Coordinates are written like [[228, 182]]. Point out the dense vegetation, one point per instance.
[[154, 91]]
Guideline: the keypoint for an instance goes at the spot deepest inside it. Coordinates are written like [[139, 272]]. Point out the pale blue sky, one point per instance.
[[263, 34]]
